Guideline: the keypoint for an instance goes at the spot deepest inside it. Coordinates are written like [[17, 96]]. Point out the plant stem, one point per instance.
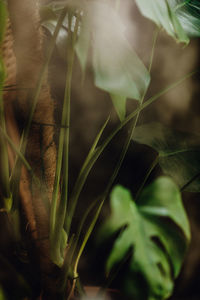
[[58, 215], [81, 180], [190, 181], [4, 163], [133, 125], [80, 227], [87, 235]]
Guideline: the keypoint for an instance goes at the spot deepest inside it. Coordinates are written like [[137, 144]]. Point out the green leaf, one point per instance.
[[119, 103], [4, 165], [188, 14], [158, 231], [163, 14], [179, 152], [117, 68]]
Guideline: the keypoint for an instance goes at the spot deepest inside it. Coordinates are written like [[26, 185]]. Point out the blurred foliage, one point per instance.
[[180, 19], [178, 152], [156, 229]]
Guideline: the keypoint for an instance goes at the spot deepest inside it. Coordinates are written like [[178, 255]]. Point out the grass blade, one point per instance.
[[81, 179]]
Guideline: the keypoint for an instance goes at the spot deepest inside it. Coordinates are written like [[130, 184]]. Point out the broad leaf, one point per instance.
[[188, 14], [179, 152], [163, 14], [158, 231], [117, 68]]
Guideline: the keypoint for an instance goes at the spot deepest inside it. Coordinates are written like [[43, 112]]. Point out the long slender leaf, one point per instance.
[[4, 164], [81, 179], [58, 235], [99, 150]]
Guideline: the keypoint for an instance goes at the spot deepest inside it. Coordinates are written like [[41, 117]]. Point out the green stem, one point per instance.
[[86, 237], [58, 215], [80, 227], [4, 163], [81, 180], [127, 143], [83, 175]]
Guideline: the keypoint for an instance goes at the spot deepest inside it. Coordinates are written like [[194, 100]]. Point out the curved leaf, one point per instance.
[[158, 231], [179, 152], [188, 14], [163, 14], [117, 68]]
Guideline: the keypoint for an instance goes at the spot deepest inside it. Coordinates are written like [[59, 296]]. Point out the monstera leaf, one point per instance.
[[117, 68], [178, 153], [157, 229]]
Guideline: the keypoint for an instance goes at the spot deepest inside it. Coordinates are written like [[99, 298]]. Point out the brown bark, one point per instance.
[[23, 57]]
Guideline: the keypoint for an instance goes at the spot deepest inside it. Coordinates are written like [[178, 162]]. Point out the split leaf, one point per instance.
[[157, 230]]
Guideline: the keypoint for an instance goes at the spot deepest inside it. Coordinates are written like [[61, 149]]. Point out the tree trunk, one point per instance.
[[23, 57]]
